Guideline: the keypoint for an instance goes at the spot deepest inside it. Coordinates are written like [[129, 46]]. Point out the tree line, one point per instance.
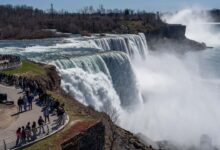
[[19, 22]]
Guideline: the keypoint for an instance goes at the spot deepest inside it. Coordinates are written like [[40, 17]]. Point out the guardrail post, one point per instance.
[[5, 146]]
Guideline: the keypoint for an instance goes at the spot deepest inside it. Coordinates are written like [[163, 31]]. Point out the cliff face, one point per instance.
[[92, 138], [168, 31], [171, 38], [50, 81]]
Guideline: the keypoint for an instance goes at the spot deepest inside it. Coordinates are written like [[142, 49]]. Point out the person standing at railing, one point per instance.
[[34, 130], [23, 135], [18, 133], [46, 114], [28, 131], [61, 115], [41, 125]]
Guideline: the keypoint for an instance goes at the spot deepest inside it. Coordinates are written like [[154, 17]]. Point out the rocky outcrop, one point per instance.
[[54, 79], [50, 81], [181, 45], [168, 31], [92, 138], [171, 38]]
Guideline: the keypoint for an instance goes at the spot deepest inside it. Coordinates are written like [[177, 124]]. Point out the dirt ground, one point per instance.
[[5, 115]]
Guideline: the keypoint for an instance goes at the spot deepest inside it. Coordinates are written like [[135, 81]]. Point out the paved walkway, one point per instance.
[[9, 134]]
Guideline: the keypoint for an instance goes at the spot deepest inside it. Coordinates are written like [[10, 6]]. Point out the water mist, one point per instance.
[[180, 103]]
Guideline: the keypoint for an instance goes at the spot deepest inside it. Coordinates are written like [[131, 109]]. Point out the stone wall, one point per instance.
[[92, 138]]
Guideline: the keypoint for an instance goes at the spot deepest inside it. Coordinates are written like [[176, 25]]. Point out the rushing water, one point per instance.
[[162, 96]]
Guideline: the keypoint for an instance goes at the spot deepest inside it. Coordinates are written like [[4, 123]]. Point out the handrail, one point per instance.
[[9, 143]]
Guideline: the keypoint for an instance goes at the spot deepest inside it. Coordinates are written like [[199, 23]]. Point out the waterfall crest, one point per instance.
[[134, 45]]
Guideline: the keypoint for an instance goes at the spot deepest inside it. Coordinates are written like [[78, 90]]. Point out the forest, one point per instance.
[[24, 22]]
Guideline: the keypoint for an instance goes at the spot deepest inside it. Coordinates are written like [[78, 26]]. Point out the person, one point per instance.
[[30, 100], [54, 106], [41, 124], [61, 115], [23, 135], [46, 114], [20, 103], [18, 133], [27, 90], [34, 130], [28, 131], [25, 101]]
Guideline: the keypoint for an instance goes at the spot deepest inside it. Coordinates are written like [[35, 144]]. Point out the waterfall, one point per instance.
[[112, 68], [134, 45], [94, 90]]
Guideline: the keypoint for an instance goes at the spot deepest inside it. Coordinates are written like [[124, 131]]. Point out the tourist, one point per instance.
[[30, 100], [41, 124], [35, 87], [23, 135], [46, 114], [34, 130], [20, 103], [18, 133], [61, 115], [28, 131], [27, 90], [52, 106], [25, 102], [56, 104]]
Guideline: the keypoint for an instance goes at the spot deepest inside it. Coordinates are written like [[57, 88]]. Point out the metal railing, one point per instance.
[[9, 143]]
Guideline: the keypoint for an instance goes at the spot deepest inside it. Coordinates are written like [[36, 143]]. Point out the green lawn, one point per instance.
[[27, 66]]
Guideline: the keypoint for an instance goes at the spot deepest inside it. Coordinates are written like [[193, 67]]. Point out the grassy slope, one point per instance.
[[27, 66]]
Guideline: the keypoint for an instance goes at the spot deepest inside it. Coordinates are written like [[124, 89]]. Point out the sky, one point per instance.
[[148, 5]]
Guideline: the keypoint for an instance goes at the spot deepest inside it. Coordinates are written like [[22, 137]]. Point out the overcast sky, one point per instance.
[[148, 5]]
